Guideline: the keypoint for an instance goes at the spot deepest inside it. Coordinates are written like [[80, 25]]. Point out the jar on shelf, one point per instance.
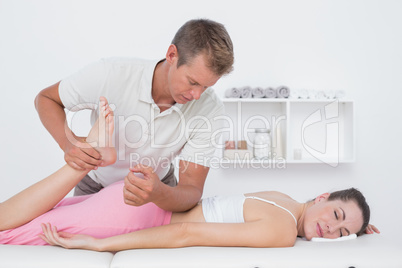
[[262, 143]]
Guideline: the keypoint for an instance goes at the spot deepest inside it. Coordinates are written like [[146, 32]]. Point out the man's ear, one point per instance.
[[322, 197], [172, 54]]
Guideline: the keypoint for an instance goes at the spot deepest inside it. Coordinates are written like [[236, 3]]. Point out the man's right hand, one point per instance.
[[80, 155], [77, 153]]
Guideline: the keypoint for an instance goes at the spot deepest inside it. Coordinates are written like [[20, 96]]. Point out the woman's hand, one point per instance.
[[371, 229], [67, 240]]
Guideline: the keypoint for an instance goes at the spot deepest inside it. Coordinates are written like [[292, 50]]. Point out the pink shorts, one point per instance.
[[101, 215]]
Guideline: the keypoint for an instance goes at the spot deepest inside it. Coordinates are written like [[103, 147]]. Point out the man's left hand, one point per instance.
[[139, 191]]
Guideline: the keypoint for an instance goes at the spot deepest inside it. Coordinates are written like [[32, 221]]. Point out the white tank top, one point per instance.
[[229, 209]]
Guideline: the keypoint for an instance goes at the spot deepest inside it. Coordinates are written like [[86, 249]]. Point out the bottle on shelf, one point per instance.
[[262, 144]]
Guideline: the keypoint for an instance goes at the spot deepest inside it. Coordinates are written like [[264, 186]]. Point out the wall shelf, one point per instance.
[[321, 131]]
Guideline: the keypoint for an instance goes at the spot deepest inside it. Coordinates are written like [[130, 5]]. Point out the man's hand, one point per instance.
[[77, 153], [80, 155], [139, 191]]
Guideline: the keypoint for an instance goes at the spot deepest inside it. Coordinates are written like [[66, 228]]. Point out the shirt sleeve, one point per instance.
[[82, 89], [203, 138]]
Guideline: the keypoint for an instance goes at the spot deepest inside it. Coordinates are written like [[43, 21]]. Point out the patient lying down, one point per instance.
[[103, 222]]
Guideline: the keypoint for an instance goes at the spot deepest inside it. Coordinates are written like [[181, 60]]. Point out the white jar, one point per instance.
[[262, 144]]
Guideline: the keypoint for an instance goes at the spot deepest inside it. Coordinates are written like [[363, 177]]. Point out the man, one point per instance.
[[162, 109]]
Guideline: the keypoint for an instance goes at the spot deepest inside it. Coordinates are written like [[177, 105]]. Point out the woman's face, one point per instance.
[[332, 219]]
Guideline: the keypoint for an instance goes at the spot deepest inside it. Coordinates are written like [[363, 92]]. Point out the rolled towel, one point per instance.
[[312, 94], [303, 93], [233, 93], [342, 238], [339, 94], [270, 93], [320, 95], [246, 92], [282, 92], [294, 94], [330, 94], [257, 92]]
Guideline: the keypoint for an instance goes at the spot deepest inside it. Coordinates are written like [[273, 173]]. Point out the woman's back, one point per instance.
[[252, 209], [256, 209], [272, 217]]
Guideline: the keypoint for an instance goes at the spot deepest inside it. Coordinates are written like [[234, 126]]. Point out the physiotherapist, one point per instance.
[[163, 109]]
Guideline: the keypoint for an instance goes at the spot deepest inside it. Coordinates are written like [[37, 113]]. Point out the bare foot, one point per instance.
[[100, 136]]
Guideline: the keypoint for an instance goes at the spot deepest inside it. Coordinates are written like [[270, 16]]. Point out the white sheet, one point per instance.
[[12, 256], [368, 251]]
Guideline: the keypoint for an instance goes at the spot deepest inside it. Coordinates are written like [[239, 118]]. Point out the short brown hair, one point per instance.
[[209, 37]]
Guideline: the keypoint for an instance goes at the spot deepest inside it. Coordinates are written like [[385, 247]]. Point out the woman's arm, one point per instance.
[[260, 233]]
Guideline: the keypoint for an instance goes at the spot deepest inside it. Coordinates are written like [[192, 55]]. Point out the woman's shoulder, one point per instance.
[[279, 217], [274, 195]]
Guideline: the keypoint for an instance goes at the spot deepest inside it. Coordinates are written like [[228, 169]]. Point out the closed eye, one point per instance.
[[336, 214], [193, 83]]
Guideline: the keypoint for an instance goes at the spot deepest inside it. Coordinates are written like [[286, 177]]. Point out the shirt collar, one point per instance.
[[146, 85]]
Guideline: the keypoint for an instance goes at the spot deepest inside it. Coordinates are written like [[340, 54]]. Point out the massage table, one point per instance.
[[374, 251]]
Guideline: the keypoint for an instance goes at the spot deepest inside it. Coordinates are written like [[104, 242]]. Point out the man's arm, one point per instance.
[[51, 113], [185, 195]]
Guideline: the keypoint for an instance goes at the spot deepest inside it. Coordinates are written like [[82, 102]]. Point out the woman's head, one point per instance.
[[337, 214], [355, 195], [207, 37]]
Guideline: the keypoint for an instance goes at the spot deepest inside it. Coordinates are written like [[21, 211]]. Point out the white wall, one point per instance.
[[340, 44]]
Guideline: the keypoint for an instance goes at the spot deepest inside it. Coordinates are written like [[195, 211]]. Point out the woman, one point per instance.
[[103, 222]]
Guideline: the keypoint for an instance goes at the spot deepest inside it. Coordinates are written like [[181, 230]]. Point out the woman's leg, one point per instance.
[[45, 194], [100, 136]]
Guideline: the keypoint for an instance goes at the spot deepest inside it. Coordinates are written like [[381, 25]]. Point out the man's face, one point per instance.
[[190, 80]]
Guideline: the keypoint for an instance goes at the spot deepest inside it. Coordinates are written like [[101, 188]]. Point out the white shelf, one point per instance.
[[286, 100], [253, 100], [323, 130]]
